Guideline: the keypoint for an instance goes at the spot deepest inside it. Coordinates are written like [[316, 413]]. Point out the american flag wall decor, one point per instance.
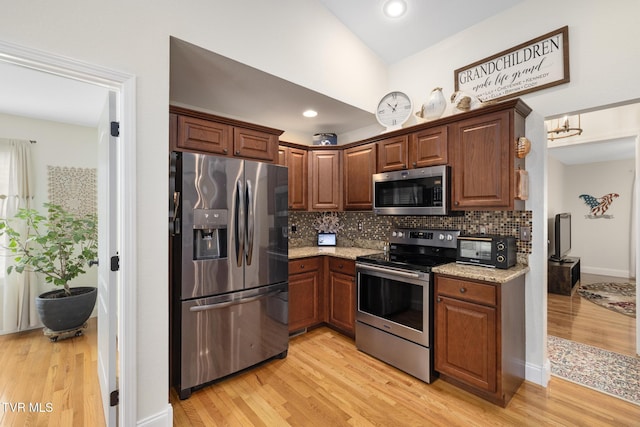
[[599, 205]]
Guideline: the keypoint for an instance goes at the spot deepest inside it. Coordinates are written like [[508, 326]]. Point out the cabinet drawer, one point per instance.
[[304, 264], [463, 289], [341, 265]]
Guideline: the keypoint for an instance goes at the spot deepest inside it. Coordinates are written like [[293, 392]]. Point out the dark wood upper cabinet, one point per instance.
[[359, 166], [209, 134], [484, 161], [429, 147], [393, 153], [325, 178], [296, 160], [204, 135]]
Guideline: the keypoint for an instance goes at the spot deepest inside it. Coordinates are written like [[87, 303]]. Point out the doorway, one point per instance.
[[63, 70], [604, 156]]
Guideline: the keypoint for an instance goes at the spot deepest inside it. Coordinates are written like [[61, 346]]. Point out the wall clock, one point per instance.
[[394, 109]]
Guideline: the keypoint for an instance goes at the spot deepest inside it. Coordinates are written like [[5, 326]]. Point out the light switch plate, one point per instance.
[[525, 234]]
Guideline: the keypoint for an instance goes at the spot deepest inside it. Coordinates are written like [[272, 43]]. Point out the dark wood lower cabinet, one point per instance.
[[322, 290], [480, 336], [341, 281], [305, 293]]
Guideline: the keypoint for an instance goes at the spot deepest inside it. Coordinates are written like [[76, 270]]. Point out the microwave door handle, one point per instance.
[[250, 222], [240, 223]]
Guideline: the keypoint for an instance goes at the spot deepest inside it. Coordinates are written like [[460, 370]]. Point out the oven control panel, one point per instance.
[[439, 238]]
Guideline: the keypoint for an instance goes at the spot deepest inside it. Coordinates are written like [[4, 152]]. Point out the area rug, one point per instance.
[[601, 370], [619, 297]]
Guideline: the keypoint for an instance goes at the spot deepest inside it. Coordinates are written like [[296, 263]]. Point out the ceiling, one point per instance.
[[253, 95], [425, 23]]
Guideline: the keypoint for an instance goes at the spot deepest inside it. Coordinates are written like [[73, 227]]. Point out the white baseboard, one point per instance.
[[538, 374], [161, 419], [604, 271]]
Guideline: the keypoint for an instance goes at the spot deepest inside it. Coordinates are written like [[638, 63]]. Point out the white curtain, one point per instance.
[[18, 291]]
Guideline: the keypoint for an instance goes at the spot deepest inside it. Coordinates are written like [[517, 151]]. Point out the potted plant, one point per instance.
[[59, 246]]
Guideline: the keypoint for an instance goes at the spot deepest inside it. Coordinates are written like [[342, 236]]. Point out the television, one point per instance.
[[562, 237]]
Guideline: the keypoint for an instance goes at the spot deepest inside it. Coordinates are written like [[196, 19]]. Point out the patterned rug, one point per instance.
[[619, 297], [611, 373]]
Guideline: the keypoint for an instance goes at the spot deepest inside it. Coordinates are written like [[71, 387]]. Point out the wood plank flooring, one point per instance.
[[323, 381], [576, 319], [49, 384], [326, 381]]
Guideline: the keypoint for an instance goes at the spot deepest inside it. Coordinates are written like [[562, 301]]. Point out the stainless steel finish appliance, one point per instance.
[[394, 319], [229, 266], [422, 191]]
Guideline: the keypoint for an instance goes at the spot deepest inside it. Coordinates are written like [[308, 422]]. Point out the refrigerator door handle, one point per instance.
[[240, 223], [233, 302], [250, 222]]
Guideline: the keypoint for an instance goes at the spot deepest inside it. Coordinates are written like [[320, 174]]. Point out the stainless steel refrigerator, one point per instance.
[[229, 270]]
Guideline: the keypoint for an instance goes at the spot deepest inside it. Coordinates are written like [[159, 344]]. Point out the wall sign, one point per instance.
[[531, 66]]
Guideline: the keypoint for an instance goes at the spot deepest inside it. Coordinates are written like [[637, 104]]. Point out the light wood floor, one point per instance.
[[323, 381], [49, 384], [574, 318], [326, 381]]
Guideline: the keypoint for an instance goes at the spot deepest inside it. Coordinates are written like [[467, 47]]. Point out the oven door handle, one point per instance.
[[402, 273]]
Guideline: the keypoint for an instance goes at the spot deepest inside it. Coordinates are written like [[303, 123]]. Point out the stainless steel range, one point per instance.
[[394, 320]]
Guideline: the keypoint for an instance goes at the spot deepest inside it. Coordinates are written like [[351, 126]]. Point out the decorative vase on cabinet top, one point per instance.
[[435, 105]]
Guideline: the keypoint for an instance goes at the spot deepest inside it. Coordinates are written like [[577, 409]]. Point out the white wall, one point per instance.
[[302, 42], [602, 244], [57, 144]]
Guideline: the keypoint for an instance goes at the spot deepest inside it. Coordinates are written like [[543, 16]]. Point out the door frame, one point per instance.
[[124, 84]]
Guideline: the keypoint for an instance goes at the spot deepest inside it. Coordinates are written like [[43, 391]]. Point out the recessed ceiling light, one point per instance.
[[310, 113], [394, 8]]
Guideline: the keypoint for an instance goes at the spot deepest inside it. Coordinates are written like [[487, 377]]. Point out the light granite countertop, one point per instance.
[[340, 252], [487, 274]]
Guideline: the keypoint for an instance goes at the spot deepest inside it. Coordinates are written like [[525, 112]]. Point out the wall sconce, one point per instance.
[[564, 131]]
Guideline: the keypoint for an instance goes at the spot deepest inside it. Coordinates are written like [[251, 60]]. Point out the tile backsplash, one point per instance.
[[367, 230]]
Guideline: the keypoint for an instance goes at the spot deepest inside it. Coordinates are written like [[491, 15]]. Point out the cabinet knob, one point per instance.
[[225, 151], [340, 266], [439, 299], [463, 290], [301, 266], [415, 164], [238, 153], [457, 203]]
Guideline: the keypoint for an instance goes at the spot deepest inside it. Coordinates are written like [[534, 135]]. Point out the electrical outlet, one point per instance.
[[483, 229], [294, 228], [525, 234], [359, 225]]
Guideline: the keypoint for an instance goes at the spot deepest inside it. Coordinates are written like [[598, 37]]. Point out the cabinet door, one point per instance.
[[483, 163], [342, 301], [393, 154], [298, 180], [255, 145], [304, 289], [465, 342], [204, 135], [359, 166], [282, 156], [325, 179], [429, 147]]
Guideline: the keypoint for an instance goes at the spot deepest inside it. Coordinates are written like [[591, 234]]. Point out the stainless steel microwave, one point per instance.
[[422, 191]]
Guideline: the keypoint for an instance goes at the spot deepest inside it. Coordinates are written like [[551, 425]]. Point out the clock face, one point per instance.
[[393, 110]]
